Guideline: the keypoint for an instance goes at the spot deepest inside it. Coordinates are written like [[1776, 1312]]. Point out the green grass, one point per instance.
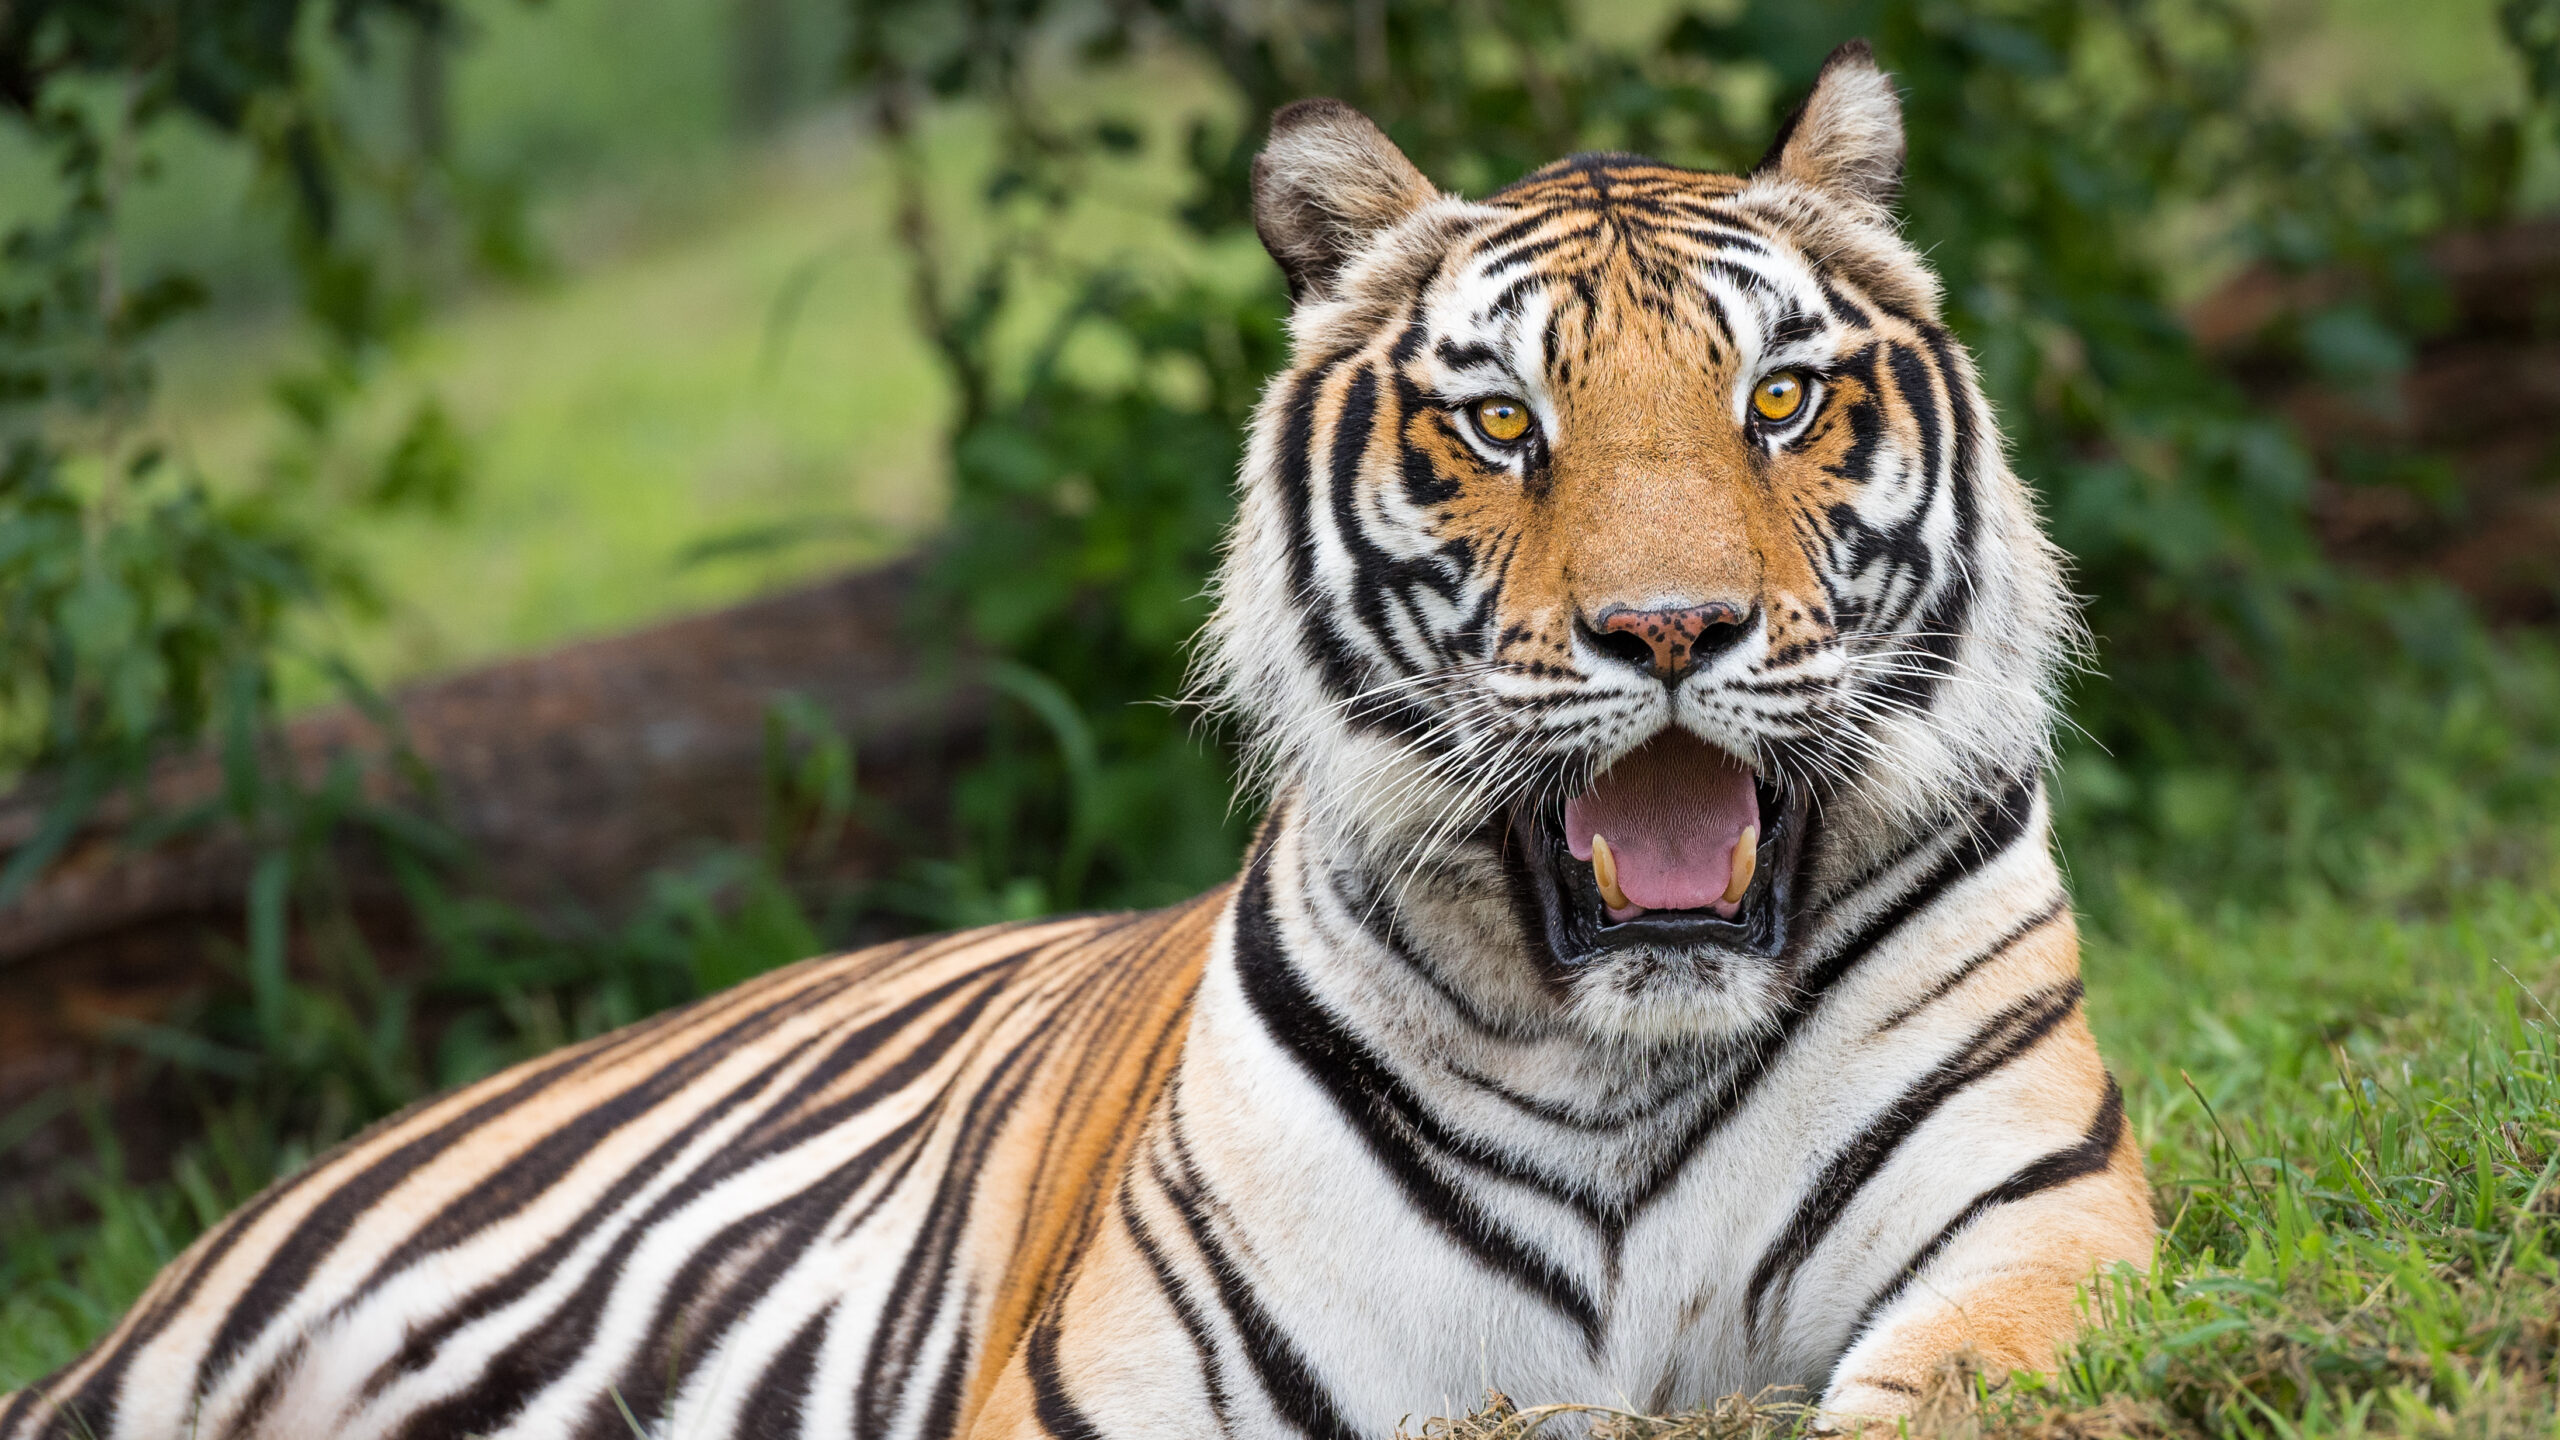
[[2354, 1116]]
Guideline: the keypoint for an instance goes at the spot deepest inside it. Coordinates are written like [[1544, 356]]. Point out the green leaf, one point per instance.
[[270, 985]]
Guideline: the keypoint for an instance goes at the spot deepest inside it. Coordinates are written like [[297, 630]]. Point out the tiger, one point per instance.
[[1651, 980]]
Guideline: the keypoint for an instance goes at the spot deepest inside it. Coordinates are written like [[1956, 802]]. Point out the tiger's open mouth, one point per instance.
[[1677, 847]]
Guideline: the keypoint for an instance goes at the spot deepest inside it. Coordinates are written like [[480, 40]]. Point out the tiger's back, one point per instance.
[[875, 1164]]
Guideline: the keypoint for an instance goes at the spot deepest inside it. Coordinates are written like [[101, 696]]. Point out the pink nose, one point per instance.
[[1669, 643]]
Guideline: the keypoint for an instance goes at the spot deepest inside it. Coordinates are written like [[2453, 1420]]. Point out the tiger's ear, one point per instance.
[[1846, 139], [1326, 182]]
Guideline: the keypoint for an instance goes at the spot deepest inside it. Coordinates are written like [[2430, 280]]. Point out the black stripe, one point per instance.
[[1792, 325], [804, 1125], [1961, 418], [2008, 1035], [1177, 1293], [1742, 275], [550, 1346], [1916, 682], [511, 1187], [1843, 308], [1513, 230], [1865, 421], [951, 1390], [752, 1144], [923, 1286], [554, 1343], [94, 1403], [1286, 1375], [290, 1263], [248, 1418], [1988, 835], [1493, 265], [2050, 912], [1380, 923], [778, 1405], [1424, 485], [1317, 639], [1387, 1116], [419, 1347], [1056, 1410], [2096, 1148], [1911, 377], [1910, 540]]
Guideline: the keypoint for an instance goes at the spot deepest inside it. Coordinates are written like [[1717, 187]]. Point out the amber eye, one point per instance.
[[1779, 396], [1503, 419]]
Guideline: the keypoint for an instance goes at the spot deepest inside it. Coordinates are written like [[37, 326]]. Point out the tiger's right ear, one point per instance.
[[1326, 182], [1846, 139]]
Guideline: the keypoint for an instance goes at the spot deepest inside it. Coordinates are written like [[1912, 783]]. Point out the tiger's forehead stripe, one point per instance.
[[1611, 179], [1592, 257]]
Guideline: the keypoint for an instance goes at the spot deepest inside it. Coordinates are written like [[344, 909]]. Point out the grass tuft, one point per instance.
[[1771, 1415]]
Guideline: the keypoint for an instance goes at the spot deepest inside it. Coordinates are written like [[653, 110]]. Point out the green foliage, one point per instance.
[[149, 610], [144, 609], [2402, 761], [1082, 536]]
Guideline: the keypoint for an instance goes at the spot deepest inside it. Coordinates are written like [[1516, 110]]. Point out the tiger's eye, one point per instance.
[[1502, 418], [1779, 396]]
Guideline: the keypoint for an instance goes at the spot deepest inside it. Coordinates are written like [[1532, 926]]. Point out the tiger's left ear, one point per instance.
[[1326, 183], [1846, 140]]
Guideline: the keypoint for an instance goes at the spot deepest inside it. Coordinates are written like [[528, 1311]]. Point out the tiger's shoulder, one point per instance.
[[955, 1109]]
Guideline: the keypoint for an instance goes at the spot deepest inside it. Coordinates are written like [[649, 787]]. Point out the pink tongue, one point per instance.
[[1672, 810]]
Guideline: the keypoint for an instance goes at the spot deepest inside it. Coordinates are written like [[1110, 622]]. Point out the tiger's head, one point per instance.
[[1634, 545]]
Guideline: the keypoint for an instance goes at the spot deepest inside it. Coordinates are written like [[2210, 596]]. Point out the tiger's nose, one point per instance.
[[1668, 644]]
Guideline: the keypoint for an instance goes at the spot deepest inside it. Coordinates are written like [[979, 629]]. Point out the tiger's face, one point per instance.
[[1621, 530]]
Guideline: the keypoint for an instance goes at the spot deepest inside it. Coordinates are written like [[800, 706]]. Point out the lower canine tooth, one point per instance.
[[1746, 859], [1604, 869]]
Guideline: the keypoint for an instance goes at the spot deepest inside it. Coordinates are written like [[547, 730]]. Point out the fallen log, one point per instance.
[[569, 776]]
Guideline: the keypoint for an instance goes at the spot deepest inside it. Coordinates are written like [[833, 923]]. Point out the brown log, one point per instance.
[[571, 775], [570, 772]]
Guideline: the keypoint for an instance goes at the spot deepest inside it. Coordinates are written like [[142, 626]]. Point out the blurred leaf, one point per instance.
[[428, 467]]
